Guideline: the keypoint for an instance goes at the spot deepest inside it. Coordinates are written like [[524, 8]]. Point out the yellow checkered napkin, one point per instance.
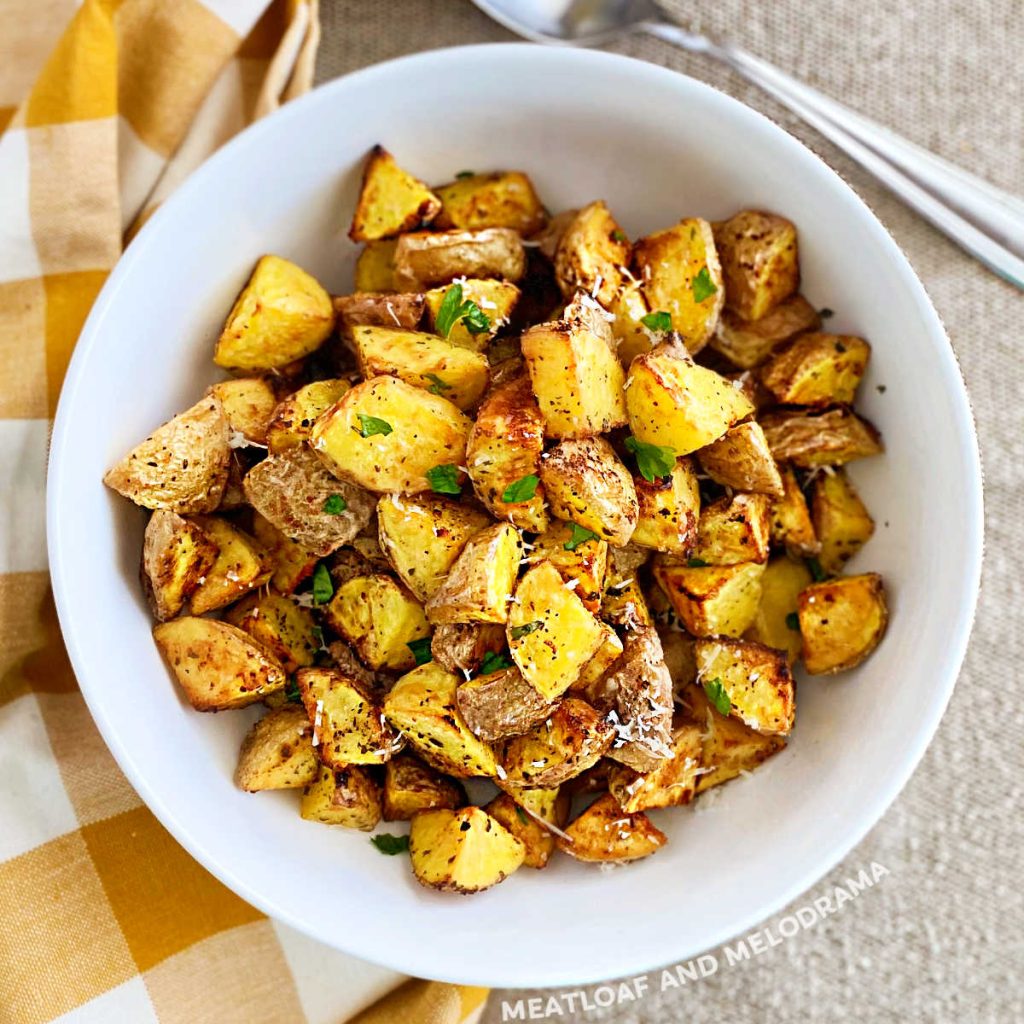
[[103, 917]]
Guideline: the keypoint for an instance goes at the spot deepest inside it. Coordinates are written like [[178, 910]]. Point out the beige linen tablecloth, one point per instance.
[[939, 938]]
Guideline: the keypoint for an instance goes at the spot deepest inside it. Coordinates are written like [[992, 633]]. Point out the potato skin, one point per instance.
[[390, 201], [176, 554], [606, 833], [760, 263], [742, 460], [426, 259], [829, 438], [747, 344], [817, 369], [277, 752], [500, 199], [841, 622], [501, 704], [379, 309], [410, 786], [461, 646]]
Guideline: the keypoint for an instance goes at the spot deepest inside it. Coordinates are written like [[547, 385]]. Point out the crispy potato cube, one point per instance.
[[241, 566], [403, 310], [841, 622], [218, 666], [410, 786], [747, 344], [385, 434], [576, 375], [423, 536], [607, 654], [841, 520], [281, 315], [586, 562], [760, 263], [623, 603], [496, 299], [501, 199], [538, 840], [462, 851], [673, 402], [375, 267], [292, 562], [424, 361], [391, 200], [776, 624], [346, 796], [791, 525], [817, 369], [671, 783], [713, 600], [568, 742], [741, 459], [551, 634], [505, 445], [248, 404], [277, 752], [280, 625], [176, 554], [591, 253], [462, 646], [829, 438], [604, 832], [669, 510], [294, 417], [501, 704], [479, 585], [430, 258], [182, 466], [681, 275], [733, 530], [379, 618], [422, 706]]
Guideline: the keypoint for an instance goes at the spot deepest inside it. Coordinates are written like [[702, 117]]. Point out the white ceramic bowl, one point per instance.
[[657, 146]]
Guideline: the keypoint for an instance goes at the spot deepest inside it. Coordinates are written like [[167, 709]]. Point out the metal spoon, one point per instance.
[[984, 220]]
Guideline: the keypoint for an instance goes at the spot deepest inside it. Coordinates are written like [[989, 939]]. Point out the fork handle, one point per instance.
[[982, 219]]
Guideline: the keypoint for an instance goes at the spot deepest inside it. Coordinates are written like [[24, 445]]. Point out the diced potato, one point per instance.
[[422, 706], [430, 258], [403, 310], [294, 417], [551, 634], [379, 618], [462, 646], [677, 650], [576, 375], [713, 600], [748, 343], [410, 786], [591, 253], [791, 525], [817, 369], [423, 536], [586, 562], [841, 622], [604, 832], [375, 267], [585, 483], [277, 752], [217, 666], [776, 624], [623, 603], [501, 199], [462, 851], [607, 654], [248, 404], [741, 459], [182, 466], [760, 263], [671, 783], [281, 315], [733, 530], [292, 562], [681, 275], [422, 360], [841, 520], [669, 510], [241, 566], [176, 554], [347, 796], [673, 402], [548, 238], [501, 704], [505, 445], [280, 625], [829, 438], [568, 742], [385, 434], [496, 300], [629, 307], [537, 839], [308, 504], [478, 587], [391, 200]]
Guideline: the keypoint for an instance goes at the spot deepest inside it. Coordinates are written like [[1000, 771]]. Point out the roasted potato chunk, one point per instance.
[[591, 253], [677, 650], [841, 520], [503, 454], [674, 403], [495, 299], [410, 786], [375, 267], [576, 375], [281, 315], [292, 562], [629, 307], [277, 752], [760, 263], [791, 525], [776, 623], [741, 459], [379, 618], [462, 646], [841, 622], [522, 822], [294, 417], [182, 466], [403, 310], [681, 275], [217, 666], [713, 600], [248, 404], [624, 603], [431, 258], [582, 565], [344, 796], [241, 566], [391, 200], [749, 343], [462, 851], [501, 199], [422, 707], [280, 625], [733, 530], [669, 510], [817, 369], [385, 435], [176, 554], [585, 483], [604, 832], [608, 652], [423, 536], [829, 438], [672, 782], [501, 704]]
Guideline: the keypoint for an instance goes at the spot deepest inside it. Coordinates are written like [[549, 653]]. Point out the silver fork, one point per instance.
[[983, 219]]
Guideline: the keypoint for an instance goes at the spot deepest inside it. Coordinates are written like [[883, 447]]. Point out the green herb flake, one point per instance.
[[518, 632], [580, 534], [653, 460], [437, 385], [697, 563], [618, 235], [335, 505], [444, 479], [660, 321], [817, 572], [291, 692], [465, 174], [370, 425], [494, 663], [522, 489], [703, 287], [453, 309], [522, 815], [717, 695], [793, 621], [421, 650], [323, 588], [389, 844]]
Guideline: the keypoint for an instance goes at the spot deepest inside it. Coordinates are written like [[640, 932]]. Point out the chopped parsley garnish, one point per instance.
[[323, 588], [618, 235], [522, 815], [494, 663], [580, 534], [697, 563], [444, 479], [335, 505], [653, 460], [389, 844], [466, 174], [793, 621], [453, 309], [718, 697], [370, 425], [660, 321], [421, 650], [291, 692], [818, 574], [522, 489], [703, 287], [518, 632], [437, 385]]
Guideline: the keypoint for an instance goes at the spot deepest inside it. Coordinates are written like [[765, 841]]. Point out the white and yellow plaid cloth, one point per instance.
[[105, 106]]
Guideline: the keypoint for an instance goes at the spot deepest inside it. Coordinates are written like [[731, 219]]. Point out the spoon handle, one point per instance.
[[984, 220]]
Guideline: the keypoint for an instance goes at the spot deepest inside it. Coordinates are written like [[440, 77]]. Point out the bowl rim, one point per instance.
[[377, 949]]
